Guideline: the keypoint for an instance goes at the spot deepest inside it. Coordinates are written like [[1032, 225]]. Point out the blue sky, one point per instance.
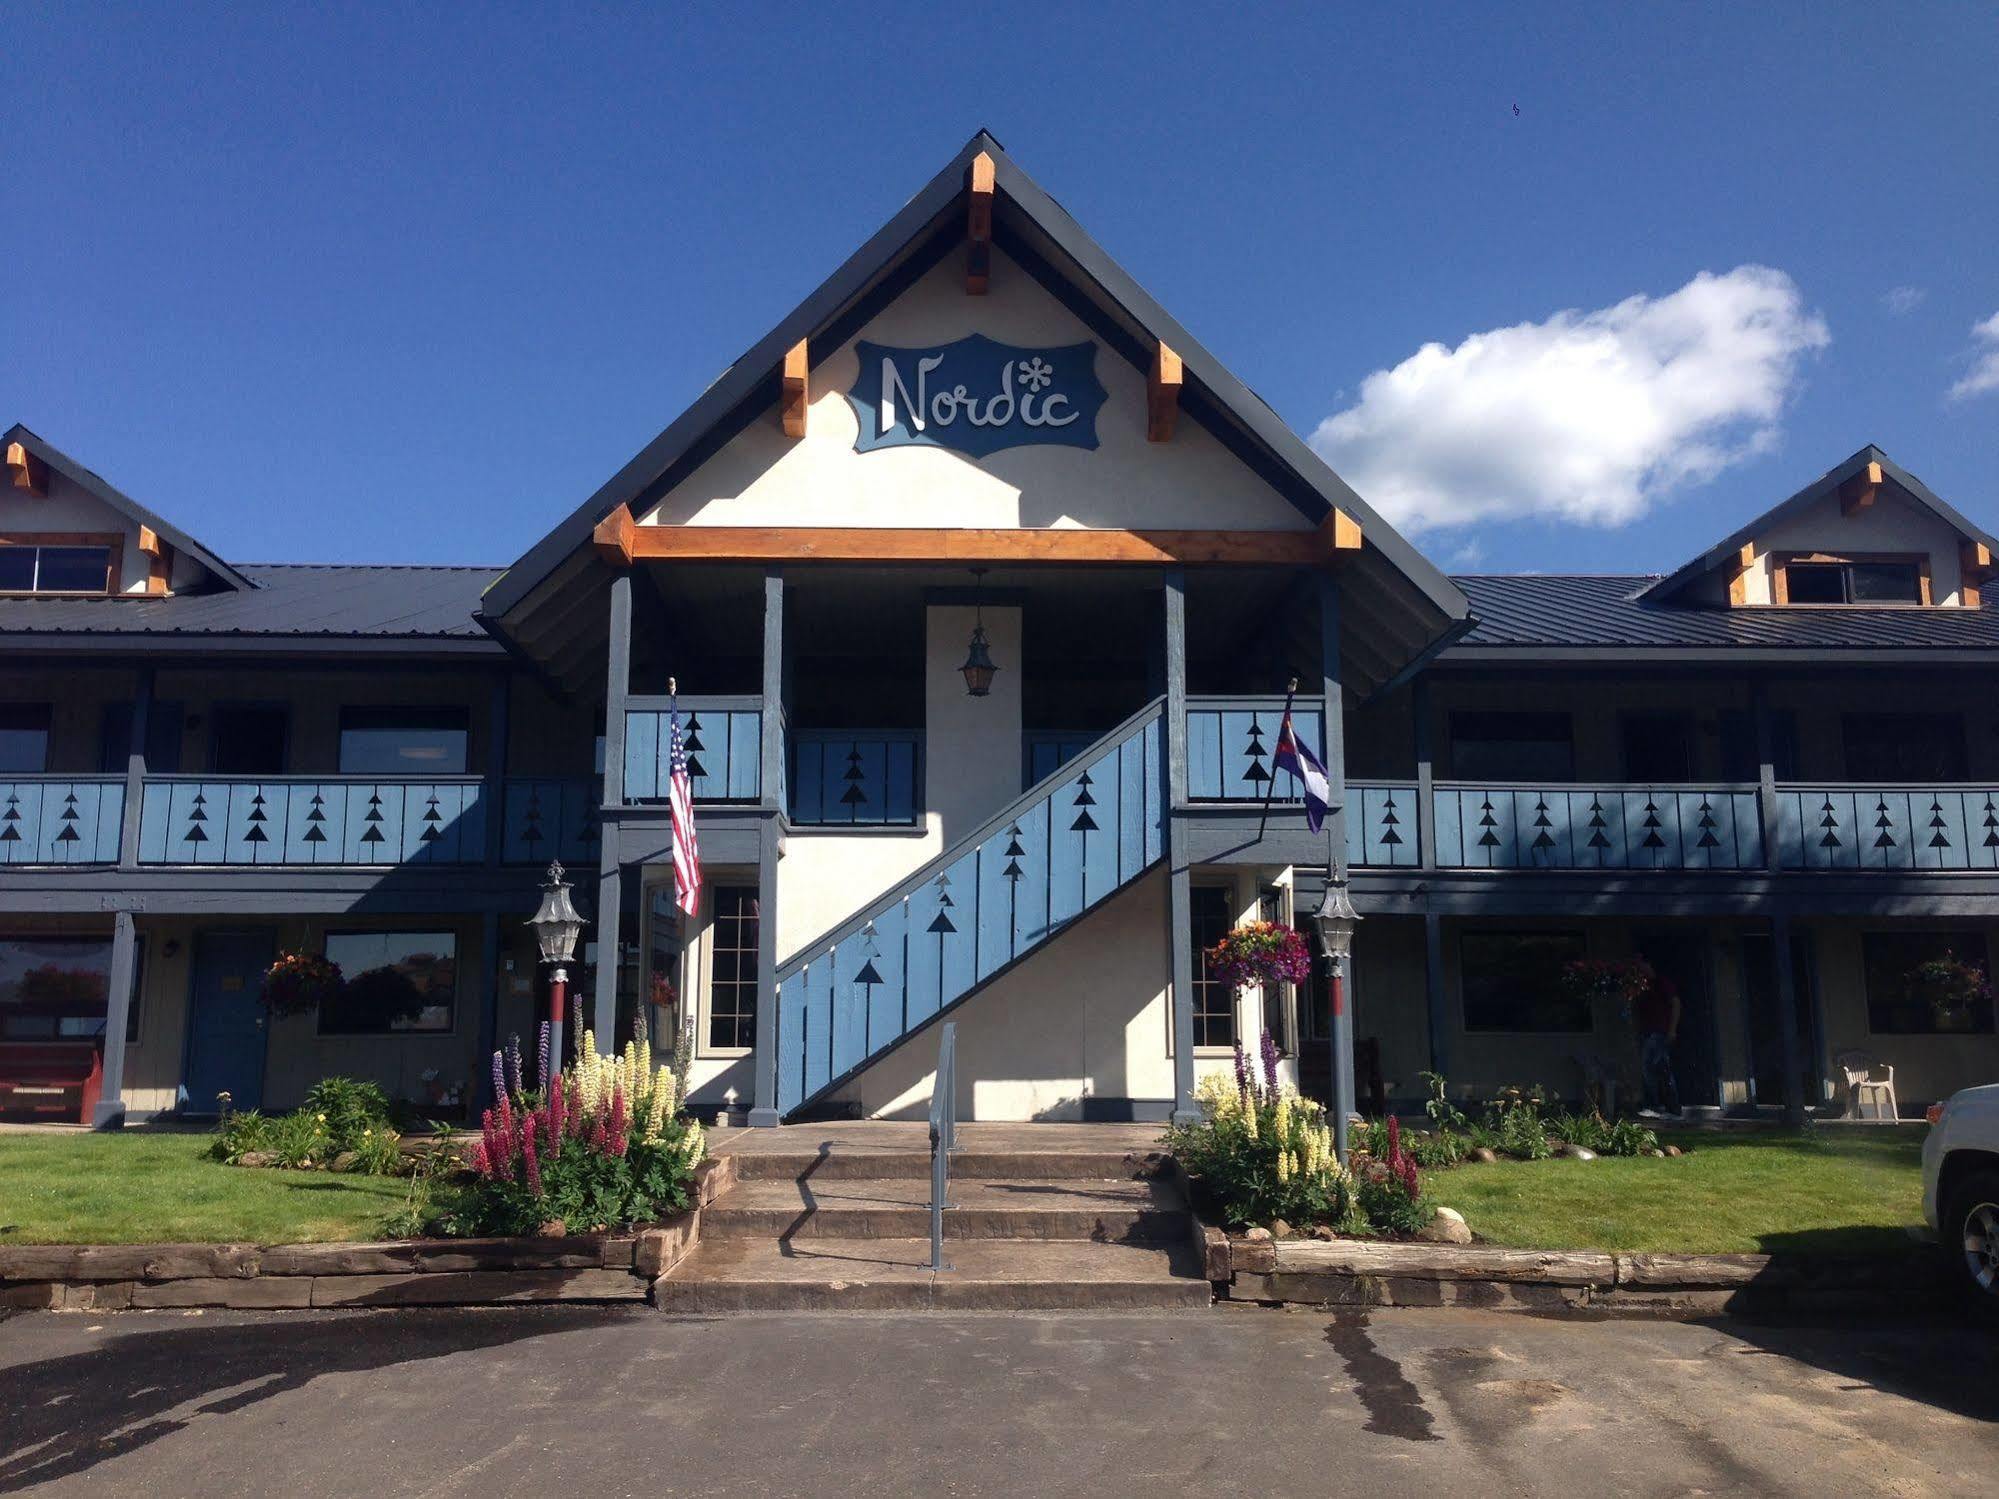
[[408, 284]]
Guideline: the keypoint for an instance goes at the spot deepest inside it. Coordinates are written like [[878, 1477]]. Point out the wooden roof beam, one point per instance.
[[1974, 560], [954, 545], [159, 561], [797, 388], [1162, 394], [1857, 493], [1341, 531], [613, 537], [27, 471], [979, 225], [1738, 575]]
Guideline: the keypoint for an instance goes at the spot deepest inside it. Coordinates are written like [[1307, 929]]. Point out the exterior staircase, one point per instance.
[[843, 1224], [990, 900]]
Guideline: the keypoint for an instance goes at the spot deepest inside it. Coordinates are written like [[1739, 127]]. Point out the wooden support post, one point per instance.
[[1426, 771], [1784, 972], [610, 874], [499, 693], [979, 225], [1162, 394], [797, 388], [1858, 493], [110, 1113], [1342, 1100], [1433, 994], [135, 769], [1179, 876], [489, 1008], [26, 471], [763, 1111]]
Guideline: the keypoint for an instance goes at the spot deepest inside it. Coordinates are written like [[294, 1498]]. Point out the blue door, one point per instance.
[[226, 1026]]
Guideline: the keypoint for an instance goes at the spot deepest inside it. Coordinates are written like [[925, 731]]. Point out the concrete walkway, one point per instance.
[[609, 1402]]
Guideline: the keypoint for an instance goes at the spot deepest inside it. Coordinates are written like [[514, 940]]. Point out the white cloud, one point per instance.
[[1903, 299], [1984, 372], [1590, 416]]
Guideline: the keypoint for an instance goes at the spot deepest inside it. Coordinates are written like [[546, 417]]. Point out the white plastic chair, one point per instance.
[[1864, 1088]]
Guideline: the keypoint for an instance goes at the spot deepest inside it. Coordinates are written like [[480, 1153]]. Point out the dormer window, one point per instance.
[[58, 564], [1821, 578]]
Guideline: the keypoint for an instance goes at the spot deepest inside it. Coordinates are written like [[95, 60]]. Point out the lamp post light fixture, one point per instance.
[[978, 667], [1336, 920], [556, 927]]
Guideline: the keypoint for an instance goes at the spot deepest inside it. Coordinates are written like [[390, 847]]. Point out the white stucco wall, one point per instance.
[[1890, 524], [69, 509], [764, 478]]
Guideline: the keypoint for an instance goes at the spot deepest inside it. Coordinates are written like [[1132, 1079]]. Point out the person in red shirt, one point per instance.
[[1657, 1015]]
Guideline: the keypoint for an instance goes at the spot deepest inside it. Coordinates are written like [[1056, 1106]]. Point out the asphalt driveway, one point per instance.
[[609, 1402]]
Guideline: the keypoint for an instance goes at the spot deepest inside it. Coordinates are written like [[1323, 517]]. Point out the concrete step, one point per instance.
[[849, 1164], [766, 1275], [899, 1208]]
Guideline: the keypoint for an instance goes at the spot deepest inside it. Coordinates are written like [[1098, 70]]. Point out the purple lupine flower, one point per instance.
[[543, 1075], [499, 1076], [514, 1063], [1270, 1063], [1241, 1069]]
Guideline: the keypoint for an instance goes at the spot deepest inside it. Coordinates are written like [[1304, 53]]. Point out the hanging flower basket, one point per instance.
[[1953, 988], [1261, 952], [297, 982], [1619, 981]]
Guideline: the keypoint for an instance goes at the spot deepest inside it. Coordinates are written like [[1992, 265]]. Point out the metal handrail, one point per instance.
[[943, 1136]]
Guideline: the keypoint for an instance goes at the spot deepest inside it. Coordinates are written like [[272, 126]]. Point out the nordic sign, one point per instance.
[[976, 396]]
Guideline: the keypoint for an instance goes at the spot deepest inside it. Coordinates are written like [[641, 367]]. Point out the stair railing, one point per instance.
[[943, 1136]]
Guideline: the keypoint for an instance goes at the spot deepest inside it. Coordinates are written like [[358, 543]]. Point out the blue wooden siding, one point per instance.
[[978, 907], [1887, 827], [1230, 742], [544, 818], [1597, 827], [61, 819], [723, 742], [287, 821], [1381, 825], [1045, 751], [856, 777]]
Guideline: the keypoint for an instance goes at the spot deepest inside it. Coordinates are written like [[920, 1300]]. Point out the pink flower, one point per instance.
[[533, 1166]]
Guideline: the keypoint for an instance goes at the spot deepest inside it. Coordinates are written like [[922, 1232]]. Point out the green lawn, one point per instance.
[[137, 1187], [1833, 1191]]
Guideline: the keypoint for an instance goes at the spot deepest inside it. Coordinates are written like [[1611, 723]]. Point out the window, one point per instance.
[[163, 734], [1904, 746], [248, 739], [1527, 747], [393, 982], [50, 567], [1512, 981], [1214, 1001], [1901, 1001], [732, 968], [1659, 747], [1740, 760], [24, 738], [403, 741], [53, 988], [1841, 580]]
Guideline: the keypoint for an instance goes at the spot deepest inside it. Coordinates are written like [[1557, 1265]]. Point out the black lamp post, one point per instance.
[[978, 667], [556, 927], [1336, 920]]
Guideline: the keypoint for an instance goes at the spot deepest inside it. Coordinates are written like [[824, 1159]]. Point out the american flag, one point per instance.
[[680, 802]]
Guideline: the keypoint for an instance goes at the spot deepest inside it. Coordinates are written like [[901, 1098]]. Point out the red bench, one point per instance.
[[51, 1081]]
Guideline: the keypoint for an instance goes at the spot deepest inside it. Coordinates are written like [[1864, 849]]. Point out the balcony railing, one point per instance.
[[547, 817], [1230, 742], [856, 777], [1887, 827], [721, 736], [1598, 827], [287, 820], [61, 819]]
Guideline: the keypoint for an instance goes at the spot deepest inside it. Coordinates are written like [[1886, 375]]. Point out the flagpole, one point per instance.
[[1270, 786]]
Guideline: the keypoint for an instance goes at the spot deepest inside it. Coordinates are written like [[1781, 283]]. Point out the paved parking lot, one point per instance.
[[609, 1402]]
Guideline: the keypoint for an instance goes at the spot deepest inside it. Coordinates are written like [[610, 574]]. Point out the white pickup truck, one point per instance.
[[1961, 1188]]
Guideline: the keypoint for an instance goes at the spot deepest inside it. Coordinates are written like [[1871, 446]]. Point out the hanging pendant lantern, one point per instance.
[[978, 667]]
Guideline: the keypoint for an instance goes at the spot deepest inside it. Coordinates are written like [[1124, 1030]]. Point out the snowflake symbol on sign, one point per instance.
[[1036, 373]]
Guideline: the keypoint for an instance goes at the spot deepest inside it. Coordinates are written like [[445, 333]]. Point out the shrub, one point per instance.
[[1629, 1137], [602, 1148], [1585, 1129], [340, 1115], [1515, 1120]]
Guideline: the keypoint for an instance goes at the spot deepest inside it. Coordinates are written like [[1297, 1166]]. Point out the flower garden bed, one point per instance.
[[400, 1272]]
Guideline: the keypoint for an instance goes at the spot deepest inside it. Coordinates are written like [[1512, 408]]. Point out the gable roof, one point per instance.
[[1724, 552], [1039, 234], [96, 486]]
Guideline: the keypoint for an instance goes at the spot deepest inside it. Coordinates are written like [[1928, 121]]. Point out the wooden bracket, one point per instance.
[[160, 559], [1857, 493], [27, 471], [1974, 567], [797, 392], [1738, 576], [979, 225], [1162, 394], [614, 537], [1341, 531]]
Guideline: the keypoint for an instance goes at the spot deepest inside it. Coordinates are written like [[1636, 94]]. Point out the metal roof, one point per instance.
[[95, 484], [284, 602], [1567, 611]]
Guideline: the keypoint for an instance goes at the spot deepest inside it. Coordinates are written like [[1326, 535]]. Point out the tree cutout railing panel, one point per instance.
[[856, 778], [1888, 827], [1230, 742], [1597, 827], [289, 823], [61, 820]]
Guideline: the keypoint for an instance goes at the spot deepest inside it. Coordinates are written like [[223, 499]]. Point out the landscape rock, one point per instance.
[[345, 1161], [1322, 1233], [1672, 1150], [255, 1158], [1485, 1154], [1578, 1152], [1659, 1155], [1446, 1226], [1279, 1229]]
